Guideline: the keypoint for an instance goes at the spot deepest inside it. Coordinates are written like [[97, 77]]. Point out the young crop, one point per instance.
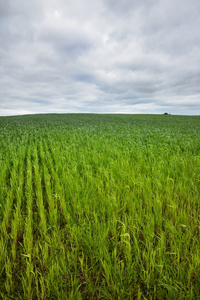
[[99, 207]]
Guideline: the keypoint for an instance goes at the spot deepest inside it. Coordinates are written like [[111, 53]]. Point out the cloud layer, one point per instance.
[[102, 56]]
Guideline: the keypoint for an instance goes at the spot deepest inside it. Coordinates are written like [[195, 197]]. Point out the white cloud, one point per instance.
[[99, 56]]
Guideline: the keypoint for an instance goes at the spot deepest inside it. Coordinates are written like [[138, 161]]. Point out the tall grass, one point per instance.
[[99, 207]]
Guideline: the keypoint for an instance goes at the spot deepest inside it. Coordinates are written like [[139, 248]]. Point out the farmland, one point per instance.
[[99, 207]]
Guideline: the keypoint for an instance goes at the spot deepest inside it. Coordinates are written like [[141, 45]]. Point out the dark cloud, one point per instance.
[[99, 56]]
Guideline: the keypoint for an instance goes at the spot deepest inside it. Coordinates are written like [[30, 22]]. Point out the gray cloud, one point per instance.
[[99, 56]]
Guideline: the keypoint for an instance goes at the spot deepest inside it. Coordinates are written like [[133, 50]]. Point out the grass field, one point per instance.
[[99, 207]]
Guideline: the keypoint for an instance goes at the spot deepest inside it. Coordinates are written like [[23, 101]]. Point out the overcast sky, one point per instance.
[[104, 56]]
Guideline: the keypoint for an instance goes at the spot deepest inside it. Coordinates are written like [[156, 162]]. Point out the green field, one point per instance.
[[99, 207]]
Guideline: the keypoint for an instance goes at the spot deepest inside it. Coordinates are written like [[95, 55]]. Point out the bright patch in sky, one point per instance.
[[57, 14]]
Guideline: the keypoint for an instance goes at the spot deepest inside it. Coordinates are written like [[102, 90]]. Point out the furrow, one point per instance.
[[58, 188], [39, 194], [27, 278]]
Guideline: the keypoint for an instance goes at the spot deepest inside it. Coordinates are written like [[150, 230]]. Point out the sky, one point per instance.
[[99, 56]]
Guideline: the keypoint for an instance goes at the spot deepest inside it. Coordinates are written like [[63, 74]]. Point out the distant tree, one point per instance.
[[166, 113]]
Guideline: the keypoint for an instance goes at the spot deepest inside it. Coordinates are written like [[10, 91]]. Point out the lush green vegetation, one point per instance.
[[99, 207]]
